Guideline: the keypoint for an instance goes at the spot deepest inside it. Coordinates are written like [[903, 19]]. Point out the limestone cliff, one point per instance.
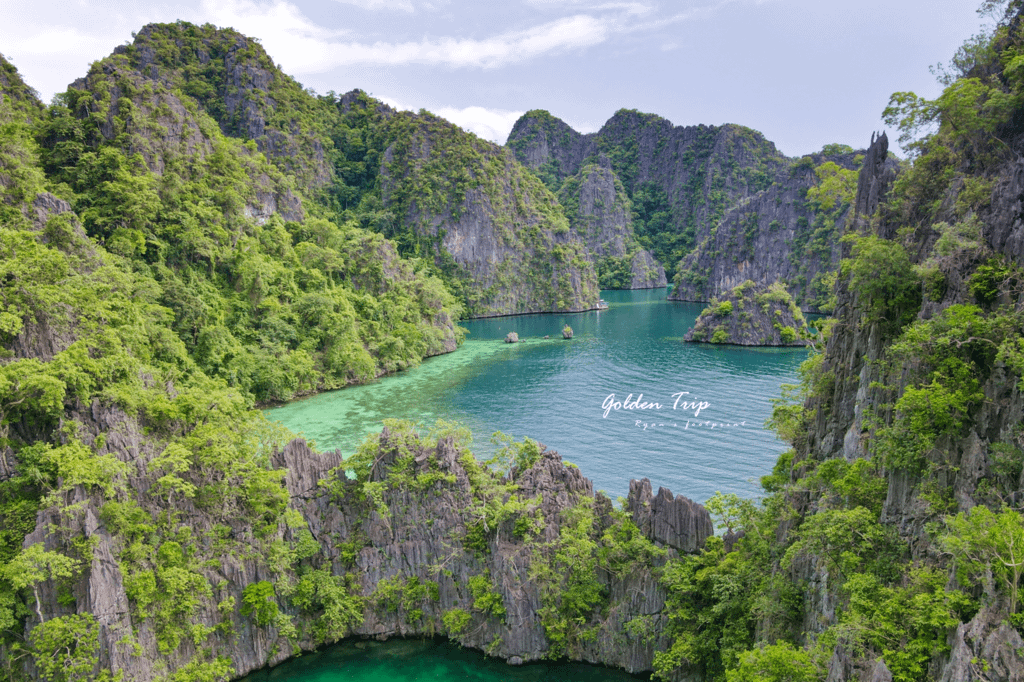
[[470, 203], [716, 204], [424, 542], [600, 215], [497, 236], [859, 401], [778, 235], [680, 179]]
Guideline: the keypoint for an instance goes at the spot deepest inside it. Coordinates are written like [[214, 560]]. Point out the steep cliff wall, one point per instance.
[[929, 294], [600, 215], [717, 205], [788, 233], [469, 201], [489, 229]]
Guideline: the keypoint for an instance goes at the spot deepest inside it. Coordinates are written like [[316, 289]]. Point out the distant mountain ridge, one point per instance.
[[683, 182]]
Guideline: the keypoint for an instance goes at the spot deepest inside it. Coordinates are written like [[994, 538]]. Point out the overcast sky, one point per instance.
[[803, 72]]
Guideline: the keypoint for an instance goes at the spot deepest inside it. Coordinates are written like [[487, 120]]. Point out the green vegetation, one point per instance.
[[485, 598], [272, 305], [162, 288], [614, 272], [258, 602], [456, 621], [654, 228], [721, 603], [887, 287], [151, 298]]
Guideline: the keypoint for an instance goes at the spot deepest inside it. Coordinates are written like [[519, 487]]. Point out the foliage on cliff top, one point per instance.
[[149, 276], [274, 305]]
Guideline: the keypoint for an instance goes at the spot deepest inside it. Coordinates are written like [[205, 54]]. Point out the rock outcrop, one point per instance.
[[673, 521], [776, 235], [865, 380], [645, 272], [503, 231], [751, 315], [982, 651], [495, 231]]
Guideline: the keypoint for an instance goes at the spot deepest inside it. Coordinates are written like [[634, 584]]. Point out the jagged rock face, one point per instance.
[[687, 162], [737, 199], [875, 181], [540, 139], [601, 217], [667, 519], [768, 237], [750, 315], [414, 531], [837, 430], [163, 123], [647, 273], [980, 650], [599, 213], [504, 230], [237, 83], [984, 648]]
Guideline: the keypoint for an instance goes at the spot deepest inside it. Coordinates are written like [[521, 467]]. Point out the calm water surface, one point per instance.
[[425, 661], [554, 391]]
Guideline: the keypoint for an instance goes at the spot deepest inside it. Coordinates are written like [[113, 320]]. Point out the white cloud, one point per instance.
[[53, 51], [489, 124], [289, 37], [317, 55], [303, 47], [631, 7], [493, 125], [399, 5]]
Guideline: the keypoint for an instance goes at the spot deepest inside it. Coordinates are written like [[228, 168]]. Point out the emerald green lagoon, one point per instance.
[[707, 434], [413, 660]]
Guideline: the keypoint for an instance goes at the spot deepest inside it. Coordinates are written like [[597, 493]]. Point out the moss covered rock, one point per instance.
[[751, 316]]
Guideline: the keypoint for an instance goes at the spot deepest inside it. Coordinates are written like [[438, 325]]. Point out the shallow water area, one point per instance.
[[625, 398], [424, 661]]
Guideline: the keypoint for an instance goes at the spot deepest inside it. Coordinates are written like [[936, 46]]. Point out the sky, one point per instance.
[[804, 73]]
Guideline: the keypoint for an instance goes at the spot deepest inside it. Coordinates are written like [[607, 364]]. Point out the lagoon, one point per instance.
[[690, 416]]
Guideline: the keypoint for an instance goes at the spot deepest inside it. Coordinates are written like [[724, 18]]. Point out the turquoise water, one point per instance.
[[556, 392], [424, 661]]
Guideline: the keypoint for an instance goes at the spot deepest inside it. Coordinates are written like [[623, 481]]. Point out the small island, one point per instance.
[[751, 315]]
